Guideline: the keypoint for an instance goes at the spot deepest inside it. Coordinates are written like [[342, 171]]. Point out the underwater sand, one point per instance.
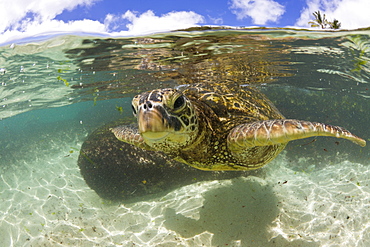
[[45, 202]]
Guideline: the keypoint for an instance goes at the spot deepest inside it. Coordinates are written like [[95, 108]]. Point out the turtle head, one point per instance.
[[167, 119]]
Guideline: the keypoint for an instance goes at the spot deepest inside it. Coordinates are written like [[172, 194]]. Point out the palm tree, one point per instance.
[[319, 21], [335, 24]]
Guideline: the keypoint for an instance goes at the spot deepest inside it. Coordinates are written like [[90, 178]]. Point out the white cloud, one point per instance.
[[26, 18], [215, 20], [261, 11], [32, 29], [148, 22], [351, 13], [12, 12]]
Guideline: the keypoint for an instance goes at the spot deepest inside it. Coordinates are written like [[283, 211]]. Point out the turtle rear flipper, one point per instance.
[[271, 132]]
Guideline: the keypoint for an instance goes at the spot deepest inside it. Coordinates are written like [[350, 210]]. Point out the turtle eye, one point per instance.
[[133, 110], [179, 102]]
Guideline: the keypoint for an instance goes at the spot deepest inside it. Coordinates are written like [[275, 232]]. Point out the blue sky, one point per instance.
[[27, 18], [215, 12]]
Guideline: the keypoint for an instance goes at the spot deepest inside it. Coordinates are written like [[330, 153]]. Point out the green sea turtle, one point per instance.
[[118, 171], [217, 127]]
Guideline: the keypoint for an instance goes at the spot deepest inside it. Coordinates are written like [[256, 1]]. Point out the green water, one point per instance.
[[55, 92]]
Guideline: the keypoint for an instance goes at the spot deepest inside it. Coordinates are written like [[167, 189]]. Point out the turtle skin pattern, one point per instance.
[[217, 127]]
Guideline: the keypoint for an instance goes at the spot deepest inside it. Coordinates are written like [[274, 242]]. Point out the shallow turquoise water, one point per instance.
[[55, 92]]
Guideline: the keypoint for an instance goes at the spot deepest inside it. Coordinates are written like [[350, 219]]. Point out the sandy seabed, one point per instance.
[[45, 202]]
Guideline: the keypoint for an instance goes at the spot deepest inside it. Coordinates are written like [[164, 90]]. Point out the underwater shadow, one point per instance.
[[237, 214], [120, 172]]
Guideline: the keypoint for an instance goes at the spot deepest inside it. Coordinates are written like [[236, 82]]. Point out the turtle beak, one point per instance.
[[152, 124]]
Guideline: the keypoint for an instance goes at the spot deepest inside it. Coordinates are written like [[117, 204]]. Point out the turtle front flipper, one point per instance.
[[130, 134], [271, 132]]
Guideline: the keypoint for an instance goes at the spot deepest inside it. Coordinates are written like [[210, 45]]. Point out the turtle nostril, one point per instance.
[[148, 105]]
